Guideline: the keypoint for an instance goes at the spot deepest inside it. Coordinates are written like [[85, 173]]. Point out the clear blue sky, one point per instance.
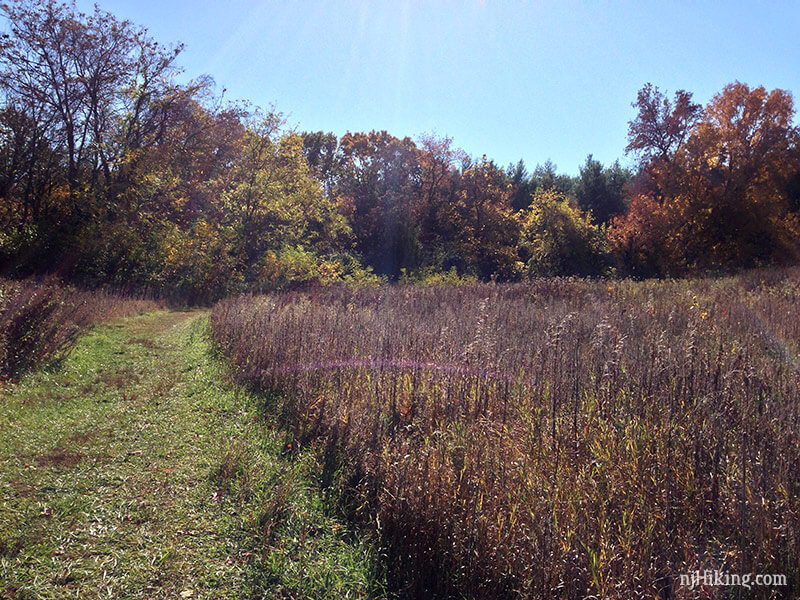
[[531, 80]]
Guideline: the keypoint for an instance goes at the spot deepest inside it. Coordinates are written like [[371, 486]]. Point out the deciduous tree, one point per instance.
[[559, 239]]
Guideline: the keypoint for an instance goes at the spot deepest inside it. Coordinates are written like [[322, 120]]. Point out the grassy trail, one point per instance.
[[134, 470]]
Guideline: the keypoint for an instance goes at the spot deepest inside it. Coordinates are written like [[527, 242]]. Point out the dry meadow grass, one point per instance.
[[561, 438]]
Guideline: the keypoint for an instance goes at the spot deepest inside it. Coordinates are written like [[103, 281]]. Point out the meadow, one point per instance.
[[425, 375], [559, 438]]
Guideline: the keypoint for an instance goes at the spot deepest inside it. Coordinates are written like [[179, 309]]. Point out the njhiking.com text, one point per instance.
[[710, 577]]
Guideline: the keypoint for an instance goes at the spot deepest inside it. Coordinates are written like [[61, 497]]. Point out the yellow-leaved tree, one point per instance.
[[273, 208], [557, 238]]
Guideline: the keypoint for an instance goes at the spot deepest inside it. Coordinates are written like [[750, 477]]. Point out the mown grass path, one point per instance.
[[134, 470]]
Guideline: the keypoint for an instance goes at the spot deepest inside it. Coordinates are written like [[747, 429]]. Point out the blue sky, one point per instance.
[[530, 80]]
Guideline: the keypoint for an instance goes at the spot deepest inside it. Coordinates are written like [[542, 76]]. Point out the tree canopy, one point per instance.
[[714, 183], [113, 172]]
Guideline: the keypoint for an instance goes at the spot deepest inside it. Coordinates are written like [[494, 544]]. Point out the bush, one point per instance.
[[558, 239]]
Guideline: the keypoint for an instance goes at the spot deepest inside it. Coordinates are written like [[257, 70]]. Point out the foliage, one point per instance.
[[601, 190], [558, 239], [718, 182], [431, 276], [379, 181], [135, 179], [292, 267], [111, 172], [640, 241], [661, 126], [321, 153], [485, 227], [544, 177]]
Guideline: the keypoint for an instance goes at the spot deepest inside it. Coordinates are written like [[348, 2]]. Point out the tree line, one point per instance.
[[112, 171]]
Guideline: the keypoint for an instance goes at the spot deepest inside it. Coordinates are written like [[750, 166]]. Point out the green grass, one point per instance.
[[135, 470]]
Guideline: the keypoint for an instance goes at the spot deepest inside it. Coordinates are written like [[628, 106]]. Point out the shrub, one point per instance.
[[558, 239]]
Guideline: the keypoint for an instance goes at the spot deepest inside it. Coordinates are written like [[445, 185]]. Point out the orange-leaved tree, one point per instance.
[[711, 191]]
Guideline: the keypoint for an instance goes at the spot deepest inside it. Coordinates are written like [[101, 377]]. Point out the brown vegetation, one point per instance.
[[40, 321], [560, 438]]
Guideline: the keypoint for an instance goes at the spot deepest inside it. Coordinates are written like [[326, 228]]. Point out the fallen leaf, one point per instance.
[[187, 593]]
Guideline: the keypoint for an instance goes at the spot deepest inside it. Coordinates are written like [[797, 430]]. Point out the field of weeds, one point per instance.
[[39, 321], [561, 438]]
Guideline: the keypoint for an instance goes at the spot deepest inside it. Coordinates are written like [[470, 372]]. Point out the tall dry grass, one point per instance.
[[554, 439], [39, 321]]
